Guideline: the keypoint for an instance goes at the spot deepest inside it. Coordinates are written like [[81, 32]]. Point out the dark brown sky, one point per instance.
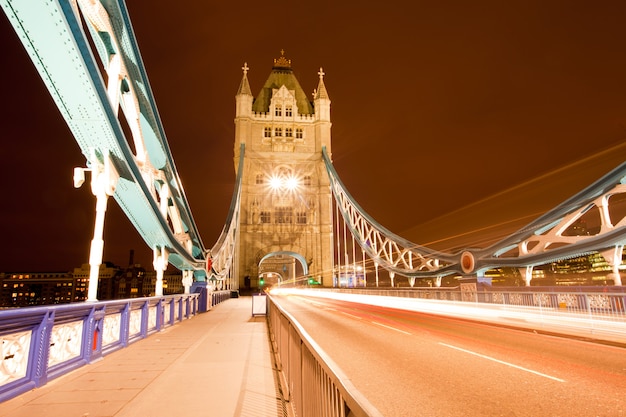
[[447, 117]]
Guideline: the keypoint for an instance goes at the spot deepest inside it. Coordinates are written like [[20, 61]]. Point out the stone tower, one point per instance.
[[285, 228]]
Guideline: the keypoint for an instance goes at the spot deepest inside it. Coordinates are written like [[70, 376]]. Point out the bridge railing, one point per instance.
[[311, 382], [38, 344]]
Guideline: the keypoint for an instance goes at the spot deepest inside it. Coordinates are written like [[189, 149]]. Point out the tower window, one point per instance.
[[283, 215], [278, 131], [267, 132], [288, 111], [301, 217], [307, 180], [288, 132], [298, 133], [278, 111], [259, 179], [265, 217]]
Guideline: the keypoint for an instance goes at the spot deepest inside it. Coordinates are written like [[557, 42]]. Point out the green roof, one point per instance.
[[278, 77]]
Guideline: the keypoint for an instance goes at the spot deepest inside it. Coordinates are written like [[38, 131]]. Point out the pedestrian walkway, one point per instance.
[[216, 364]]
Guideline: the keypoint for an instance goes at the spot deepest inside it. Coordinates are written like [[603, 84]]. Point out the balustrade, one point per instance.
[[41, 343]]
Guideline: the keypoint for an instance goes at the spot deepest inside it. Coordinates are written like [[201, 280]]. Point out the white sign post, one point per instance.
[[259, 305]]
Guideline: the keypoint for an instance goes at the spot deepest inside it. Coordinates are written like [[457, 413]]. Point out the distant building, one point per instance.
[[36, 288], [172, 283], [41, 288], [106, 278], [128, 283], [590, 269], [117, 283]]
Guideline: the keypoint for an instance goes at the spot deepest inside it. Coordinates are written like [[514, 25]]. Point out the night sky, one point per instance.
[[448, 117]]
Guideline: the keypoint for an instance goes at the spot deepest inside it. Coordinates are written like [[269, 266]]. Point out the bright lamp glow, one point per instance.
[[276, 183], [280, 183], [291, 183]]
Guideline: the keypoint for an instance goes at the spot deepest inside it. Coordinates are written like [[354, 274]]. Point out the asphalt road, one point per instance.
[[412, 364]]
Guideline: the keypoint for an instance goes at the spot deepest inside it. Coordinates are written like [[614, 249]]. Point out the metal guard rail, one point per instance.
[[312, 383], [38, 344]]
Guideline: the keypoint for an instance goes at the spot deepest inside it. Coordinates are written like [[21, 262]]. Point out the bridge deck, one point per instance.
[[218, 363]]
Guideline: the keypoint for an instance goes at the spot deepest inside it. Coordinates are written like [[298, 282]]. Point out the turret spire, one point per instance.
[[244, 87], [321, 92]]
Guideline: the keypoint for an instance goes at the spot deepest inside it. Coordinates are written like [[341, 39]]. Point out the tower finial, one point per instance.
[[321, 92], [244, 87], [282, 62]]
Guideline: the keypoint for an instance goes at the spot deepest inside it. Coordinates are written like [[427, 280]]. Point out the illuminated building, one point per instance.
[[285, 210], [107, 273], [42, 288], [36, 288]]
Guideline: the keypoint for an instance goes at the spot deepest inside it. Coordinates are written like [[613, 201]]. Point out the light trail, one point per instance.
[[534, 318]]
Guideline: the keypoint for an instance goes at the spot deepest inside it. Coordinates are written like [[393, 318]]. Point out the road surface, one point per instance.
[[412, 364]]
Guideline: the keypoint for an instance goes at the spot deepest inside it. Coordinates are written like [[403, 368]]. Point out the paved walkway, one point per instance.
[[216, 364]]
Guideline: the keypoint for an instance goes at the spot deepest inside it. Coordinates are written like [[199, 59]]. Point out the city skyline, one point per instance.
[[444, 120]]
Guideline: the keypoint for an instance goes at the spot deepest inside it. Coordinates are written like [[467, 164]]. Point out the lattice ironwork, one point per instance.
[[387, 249], [592, 221]]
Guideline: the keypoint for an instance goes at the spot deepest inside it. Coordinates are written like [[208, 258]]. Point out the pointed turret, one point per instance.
[[321, 88], [244, 86], [321, 99], [243, 112], [322, 113], [244, 95]]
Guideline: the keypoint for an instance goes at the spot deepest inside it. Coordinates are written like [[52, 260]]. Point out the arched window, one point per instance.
[[267, 132], [288, 132], [259, 179], [278, 131], [288, 111], [298, 133], [278, 111]]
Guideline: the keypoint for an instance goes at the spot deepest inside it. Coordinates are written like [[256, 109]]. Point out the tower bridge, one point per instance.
[[289, 202], [291, 222]]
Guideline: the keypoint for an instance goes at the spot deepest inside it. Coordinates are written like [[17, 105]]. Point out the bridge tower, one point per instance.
[[285, 215]]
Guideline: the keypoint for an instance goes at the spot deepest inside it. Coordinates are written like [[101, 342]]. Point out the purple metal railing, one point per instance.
[[38, 344]]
